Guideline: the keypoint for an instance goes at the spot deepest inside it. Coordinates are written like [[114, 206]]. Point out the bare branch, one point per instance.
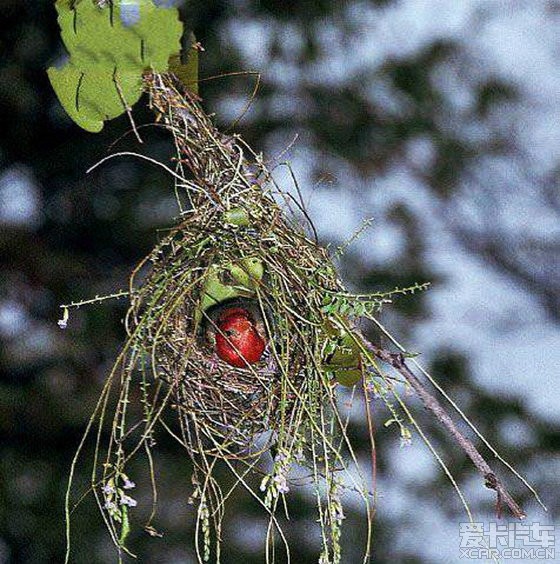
[[397, 361]]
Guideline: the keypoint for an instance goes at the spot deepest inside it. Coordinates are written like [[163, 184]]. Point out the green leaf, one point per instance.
[[93, 97], [215, 291], [67, 85], [237, 216], [184, 66], [348, 376], [244, 277], [248, 272], [103, 76]]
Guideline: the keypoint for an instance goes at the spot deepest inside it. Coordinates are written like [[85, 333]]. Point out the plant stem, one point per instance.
[[397, 361]]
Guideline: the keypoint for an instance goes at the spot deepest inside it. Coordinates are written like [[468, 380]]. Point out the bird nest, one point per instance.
[[237, 246], [229, 406], [234, 244]]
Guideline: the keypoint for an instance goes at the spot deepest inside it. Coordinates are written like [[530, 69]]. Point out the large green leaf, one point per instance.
[[107, 58]]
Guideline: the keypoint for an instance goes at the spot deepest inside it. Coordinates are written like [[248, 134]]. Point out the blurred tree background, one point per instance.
[[437, 119]]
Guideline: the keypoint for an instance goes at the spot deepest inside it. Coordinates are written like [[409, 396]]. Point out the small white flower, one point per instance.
[[128, 484], [281, 484], [108, 489], [339, 514], [127, 500], [406, 441], [283, 489], [62, 323], [110, 505]]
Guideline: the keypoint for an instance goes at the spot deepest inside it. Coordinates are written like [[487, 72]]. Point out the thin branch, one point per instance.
[[397, 361]]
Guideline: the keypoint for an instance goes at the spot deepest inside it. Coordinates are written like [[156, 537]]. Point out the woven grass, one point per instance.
[[167, 377], [262, 421]]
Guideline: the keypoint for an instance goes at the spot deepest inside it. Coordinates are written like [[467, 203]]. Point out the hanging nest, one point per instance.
[[238, 246], [234, 247], [245, 254]]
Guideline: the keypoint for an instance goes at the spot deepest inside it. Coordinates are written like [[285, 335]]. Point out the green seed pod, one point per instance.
[[237, 216], [342, 357]]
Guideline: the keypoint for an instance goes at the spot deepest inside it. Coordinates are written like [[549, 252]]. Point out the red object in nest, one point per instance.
[[238, 342]]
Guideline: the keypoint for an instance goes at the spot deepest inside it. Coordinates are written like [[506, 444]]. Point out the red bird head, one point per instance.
[[238, 340]]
